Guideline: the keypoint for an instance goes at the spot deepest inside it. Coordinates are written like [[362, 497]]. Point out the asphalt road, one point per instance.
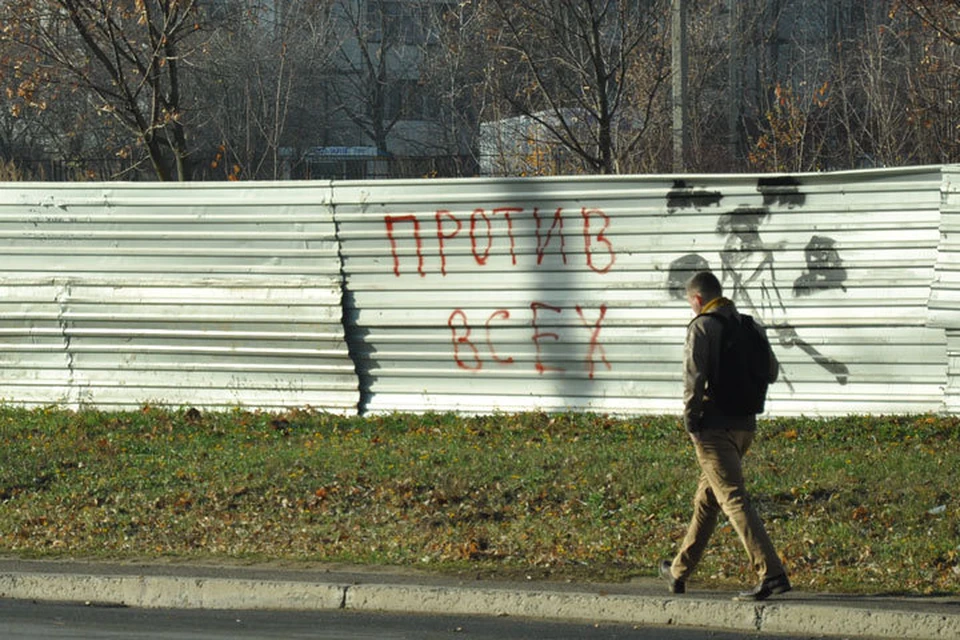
[[23, 620]]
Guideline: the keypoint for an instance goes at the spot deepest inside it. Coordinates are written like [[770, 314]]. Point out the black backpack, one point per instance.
[[743, 375]]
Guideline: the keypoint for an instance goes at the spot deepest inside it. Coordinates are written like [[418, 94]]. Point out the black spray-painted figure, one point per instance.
[[681, 270], [824, 268], [748, 262], [749, 271]]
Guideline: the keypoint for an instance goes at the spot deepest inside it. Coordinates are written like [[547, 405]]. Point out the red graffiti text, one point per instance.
[[466, 337], [483, 232]]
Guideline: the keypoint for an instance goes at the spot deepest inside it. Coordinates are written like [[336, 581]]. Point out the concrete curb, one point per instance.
[[554, 605], [786, 617], [768, 617], [172, 592]]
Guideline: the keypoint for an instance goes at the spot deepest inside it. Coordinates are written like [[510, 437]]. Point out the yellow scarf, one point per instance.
[[715, 304]]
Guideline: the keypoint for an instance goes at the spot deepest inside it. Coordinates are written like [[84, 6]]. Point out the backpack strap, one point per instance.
[[722, 318]]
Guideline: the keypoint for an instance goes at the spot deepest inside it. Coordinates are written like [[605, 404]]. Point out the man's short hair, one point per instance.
[[706, 284]]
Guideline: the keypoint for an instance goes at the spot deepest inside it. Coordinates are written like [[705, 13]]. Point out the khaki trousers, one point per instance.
[[720, 453]]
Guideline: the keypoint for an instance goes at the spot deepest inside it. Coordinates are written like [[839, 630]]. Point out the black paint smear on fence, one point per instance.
[[684, 196], [783, 190]]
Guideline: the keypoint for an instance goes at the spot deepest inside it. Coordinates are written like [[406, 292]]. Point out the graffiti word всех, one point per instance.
[[467, 353]]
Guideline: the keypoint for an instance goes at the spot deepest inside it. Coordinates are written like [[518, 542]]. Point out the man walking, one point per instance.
[[720, 441]]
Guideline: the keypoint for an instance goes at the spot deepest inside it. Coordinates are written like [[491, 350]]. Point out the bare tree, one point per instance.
[[173, 87], [591, 72], [941, 16], [931, 31], [373, 66], [882, 82], [263, 85], [123, 57], [454, 74], [895, 78], [709, 76]]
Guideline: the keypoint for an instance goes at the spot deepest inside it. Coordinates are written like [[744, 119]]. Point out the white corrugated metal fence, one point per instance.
[[562, 293], [203, 295], [476, 295]]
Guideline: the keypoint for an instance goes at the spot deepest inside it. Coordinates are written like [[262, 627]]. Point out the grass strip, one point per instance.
[[856, 504]]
